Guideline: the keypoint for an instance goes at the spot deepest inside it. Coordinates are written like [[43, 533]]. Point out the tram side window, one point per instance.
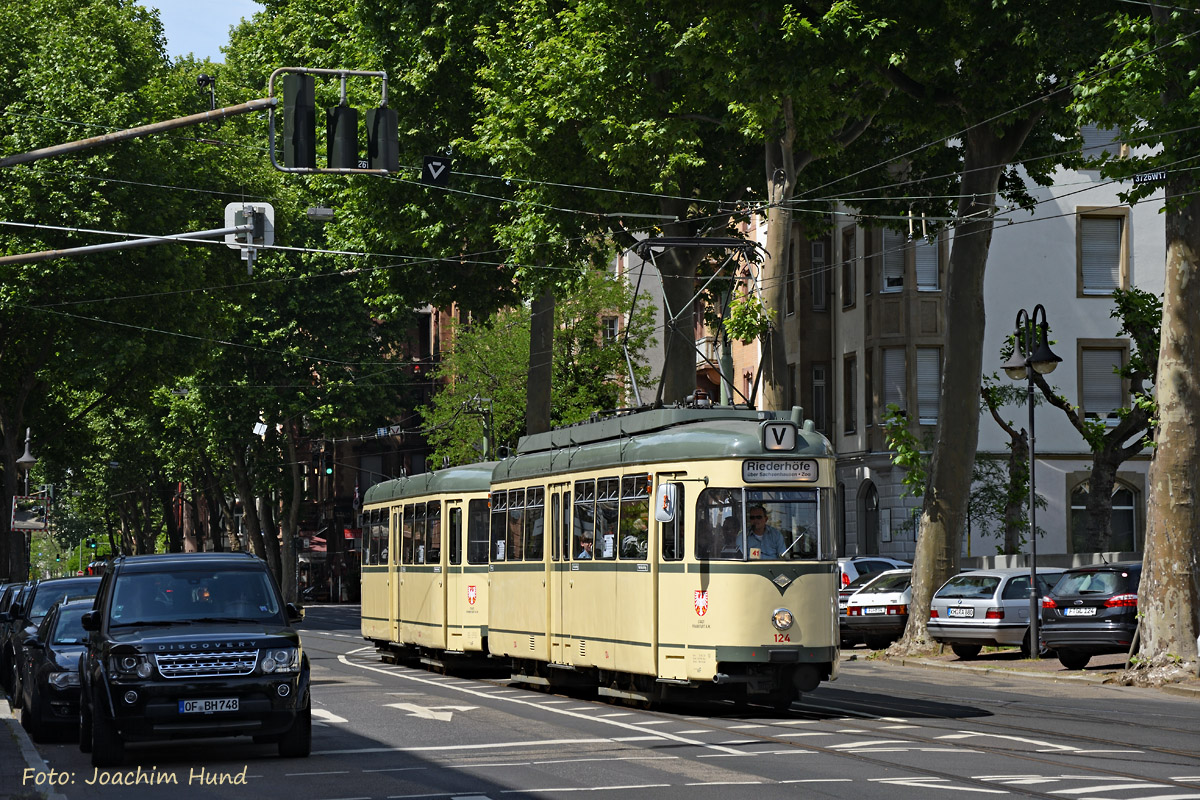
[[515, 538], [499, 525], [407, 548], [608, 503], [584, 520], [419, 534], [566, 523], [635, 517], [379, 536], [672, 532], [454, 536], [433, 536], [555, 499], [535, 523], [477, 532]]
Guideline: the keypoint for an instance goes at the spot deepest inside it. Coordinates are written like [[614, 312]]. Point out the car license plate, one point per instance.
[[208, 706], [1079, 612], [960, 612], [874, 610]]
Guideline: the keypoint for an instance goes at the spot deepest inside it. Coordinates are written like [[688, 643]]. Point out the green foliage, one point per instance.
[[906, 451], [748, 318], [491, 360]]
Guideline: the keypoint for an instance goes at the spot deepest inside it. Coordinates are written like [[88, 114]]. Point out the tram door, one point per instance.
[[560, 565], [455, 592], [394, 575]]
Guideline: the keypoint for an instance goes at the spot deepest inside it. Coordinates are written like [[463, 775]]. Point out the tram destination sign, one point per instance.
[[800, 470]]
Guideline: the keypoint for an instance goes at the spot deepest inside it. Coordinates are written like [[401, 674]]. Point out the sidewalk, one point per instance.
[[16, 755]]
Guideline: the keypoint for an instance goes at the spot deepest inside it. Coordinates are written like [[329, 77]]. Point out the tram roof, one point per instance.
[[467, 478], [656, 435]]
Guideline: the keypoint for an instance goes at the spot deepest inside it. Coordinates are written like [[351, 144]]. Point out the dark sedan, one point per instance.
[[27, 614], [50, 688], [1091, 611]]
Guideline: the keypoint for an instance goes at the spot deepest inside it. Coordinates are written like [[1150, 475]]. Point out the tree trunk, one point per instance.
[[245, 491], [1018, 491], [1169, 598], [781, 186], [270, 533], [541, 364], [291, 519], [943, 513], [1099, 502]]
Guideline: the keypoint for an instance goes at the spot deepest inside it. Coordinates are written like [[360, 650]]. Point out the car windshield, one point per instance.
[[771, 524], [963, 587], [69, 629], [1099, 582], [859, 582], [50, 593], [896, 582], [194, 595]]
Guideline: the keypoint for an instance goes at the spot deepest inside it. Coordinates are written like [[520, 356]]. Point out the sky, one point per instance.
[[200, 27]]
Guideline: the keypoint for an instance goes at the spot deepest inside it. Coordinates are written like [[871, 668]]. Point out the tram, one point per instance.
[[672, 552]]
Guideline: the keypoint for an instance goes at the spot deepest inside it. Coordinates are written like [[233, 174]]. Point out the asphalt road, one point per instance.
[[880, 731]]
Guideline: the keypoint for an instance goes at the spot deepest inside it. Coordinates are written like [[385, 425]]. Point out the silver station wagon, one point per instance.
[[986, 607]]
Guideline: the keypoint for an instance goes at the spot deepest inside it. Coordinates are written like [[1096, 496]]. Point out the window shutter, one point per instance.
[[929, 384], [893, 377], [926, 257], [1097, 141], [1102, 389], [893, 262], [1100, 253]]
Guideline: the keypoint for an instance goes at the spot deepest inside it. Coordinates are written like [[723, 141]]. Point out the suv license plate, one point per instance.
[[1079, 612], [958, 611], [208, 706]]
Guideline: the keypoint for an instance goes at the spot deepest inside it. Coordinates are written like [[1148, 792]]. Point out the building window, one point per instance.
[[893, 378], [929, 384], [848, 268], [789, 300], [1101, 252], [1098, 141], [1102, 389], [869, 385], [927, 258], [820, 278], [1123, 535], [849, 394], [818, 396], [892, 279], [611, 328]]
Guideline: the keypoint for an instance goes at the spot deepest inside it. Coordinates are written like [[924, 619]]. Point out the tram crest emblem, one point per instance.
[[471, 594], [700, 601]]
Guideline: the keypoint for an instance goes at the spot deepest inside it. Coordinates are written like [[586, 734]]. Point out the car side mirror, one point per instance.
[[14, 613], [294, 614], [90, 621], [33, 642]]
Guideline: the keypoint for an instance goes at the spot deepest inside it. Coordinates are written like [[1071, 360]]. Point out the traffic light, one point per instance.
[[341, 127], [299, 122], [58, 558], [383, 141], [91, 543], [328, 462]]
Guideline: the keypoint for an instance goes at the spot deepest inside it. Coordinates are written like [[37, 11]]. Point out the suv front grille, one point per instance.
[[207, 665]]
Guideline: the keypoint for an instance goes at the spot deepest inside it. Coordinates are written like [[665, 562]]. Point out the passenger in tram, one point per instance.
[[731, 538], [585, 548], [516, 535], [763, 540]]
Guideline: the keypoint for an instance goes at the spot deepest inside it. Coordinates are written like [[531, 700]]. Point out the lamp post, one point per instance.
[[26, 462], [1032, 353]]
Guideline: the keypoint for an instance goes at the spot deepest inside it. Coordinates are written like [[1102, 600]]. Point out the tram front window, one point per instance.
[[757, 524]]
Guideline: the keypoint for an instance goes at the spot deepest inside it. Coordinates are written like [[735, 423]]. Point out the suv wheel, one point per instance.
[[108, 750], [296, 741], [1072, 659]]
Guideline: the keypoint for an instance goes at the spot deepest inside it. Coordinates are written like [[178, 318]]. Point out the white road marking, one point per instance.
[[396, 769], [517, 700], [935, 783], [798, 734], [746, 727], [726, 783], [820, 780], [449, 747], [327, 716], [609, 758], [655, 722], [305, 774], [1050, 747], [442, 713], [1110, 788], [587, 788], [865, 743]]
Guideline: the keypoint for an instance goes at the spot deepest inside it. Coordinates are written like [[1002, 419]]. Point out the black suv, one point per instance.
[[192, 644], [1091, 611]]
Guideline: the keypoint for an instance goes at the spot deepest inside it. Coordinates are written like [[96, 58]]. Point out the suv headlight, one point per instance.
[[129, 665], [280, 659]]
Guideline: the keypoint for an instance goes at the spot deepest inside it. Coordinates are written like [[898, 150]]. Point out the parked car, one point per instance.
[[9, 596], [849, 638], [855, 567], [879, 610], [28, 612], [1091, 611], [986, 607], [192, 645], [50, 673]]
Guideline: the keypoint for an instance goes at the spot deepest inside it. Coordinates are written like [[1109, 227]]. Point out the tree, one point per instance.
[[489, 360], [1148, 92]]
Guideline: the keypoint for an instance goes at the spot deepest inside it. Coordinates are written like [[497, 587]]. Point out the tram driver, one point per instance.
[[763, 541]]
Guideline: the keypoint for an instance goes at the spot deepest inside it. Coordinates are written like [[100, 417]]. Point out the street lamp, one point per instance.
[[1032, 353]]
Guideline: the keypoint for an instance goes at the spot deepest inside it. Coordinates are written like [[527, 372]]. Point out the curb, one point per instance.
[[28, 752], [1180, 690]]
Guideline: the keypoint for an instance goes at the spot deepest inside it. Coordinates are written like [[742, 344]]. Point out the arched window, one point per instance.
[[868, 531], [1124, 535]]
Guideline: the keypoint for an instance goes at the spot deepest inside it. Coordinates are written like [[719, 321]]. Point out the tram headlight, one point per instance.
[[782, 619]]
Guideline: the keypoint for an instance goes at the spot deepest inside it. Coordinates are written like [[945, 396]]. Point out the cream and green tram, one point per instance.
[[684, 552], [425, 564]]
